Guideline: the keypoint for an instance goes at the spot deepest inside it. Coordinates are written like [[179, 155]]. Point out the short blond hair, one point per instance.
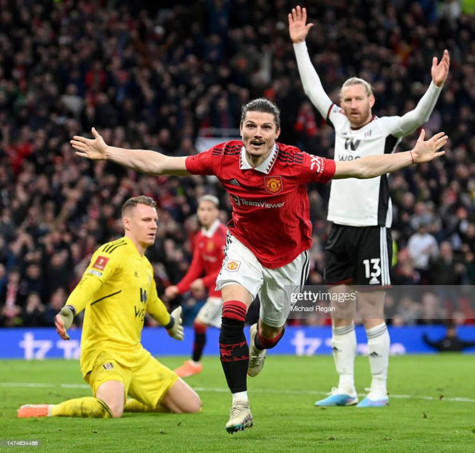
[[134, 201], [357, 81], [210, 198]]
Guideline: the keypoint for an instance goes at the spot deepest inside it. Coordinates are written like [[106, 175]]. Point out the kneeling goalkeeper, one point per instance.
[[116, 291]]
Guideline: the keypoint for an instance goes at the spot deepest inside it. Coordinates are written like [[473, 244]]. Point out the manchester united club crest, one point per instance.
[[233, 265], [273, 184]]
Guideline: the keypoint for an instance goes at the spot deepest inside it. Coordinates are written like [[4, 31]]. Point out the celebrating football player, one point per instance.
[[270, 231]]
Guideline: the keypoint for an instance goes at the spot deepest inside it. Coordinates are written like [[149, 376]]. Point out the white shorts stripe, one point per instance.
[[385, 265]]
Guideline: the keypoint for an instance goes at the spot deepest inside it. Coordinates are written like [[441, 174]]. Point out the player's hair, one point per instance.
[[210, 198], [357, 81], [134, 201], [261, 105]]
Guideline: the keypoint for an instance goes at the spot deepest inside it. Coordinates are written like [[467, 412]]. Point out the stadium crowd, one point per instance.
[[160, 78]]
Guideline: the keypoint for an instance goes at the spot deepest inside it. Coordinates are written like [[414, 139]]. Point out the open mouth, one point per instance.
[[257, 143]]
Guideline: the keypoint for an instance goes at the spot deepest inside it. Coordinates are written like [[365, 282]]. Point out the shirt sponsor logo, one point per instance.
[[346, 157], [233, 266], [273, 184], [255, 203], [108, 366], [351, 144], [100, 263]]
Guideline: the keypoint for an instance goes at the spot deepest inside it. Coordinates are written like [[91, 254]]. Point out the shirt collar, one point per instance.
[[265, 167], [211, 230]]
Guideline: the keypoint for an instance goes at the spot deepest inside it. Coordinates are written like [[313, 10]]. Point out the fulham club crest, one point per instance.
[[273, 184]]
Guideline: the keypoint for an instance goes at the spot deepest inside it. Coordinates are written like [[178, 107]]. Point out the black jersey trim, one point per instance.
[[105, 297], [109, 248], [383, 201]]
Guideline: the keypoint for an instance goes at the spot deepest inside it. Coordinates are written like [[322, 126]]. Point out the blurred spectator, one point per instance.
[[445, 269], [408, 311], [422, 246], [33, 312], [58, 298], [404, 273], [450, 343], [431, 309]]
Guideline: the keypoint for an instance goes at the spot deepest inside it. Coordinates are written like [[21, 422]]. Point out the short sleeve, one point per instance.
[[200, 164], [317, 169]]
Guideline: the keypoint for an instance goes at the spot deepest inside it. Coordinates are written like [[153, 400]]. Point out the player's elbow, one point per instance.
[[363, 170]]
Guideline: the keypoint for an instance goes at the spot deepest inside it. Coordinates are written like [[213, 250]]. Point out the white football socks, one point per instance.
[[378, 353], [344, 351], [240, 396]]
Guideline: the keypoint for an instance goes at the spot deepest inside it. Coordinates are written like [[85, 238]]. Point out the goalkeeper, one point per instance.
[[116, 291]]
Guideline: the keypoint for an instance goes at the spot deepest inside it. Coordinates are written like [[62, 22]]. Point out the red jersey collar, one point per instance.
[[211, 230], [265, 167]]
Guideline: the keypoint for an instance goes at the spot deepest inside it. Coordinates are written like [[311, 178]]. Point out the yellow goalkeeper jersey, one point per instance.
[[116, 291]]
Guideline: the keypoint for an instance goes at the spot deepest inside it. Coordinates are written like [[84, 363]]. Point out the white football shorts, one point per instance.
[[210, 312], [274, 286]]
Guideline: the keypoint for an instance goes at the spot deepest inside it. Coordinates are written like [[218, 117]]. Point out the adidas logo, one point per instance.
[[375, 354], [234, 182]]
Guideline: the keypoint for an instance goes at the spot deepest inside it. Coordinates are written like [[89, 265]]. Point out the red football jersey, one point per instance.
[[208, 255], [270, 202]]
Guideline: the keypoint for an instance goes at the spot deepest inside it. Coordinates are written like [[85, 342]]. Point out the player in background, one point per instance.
[[208, 255], [359, 246], [270, 230], [116, 291]]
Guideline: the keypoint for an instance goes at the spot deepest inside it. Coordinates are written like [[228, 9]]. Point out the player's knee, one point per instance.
[[199, 326], [116, 410], [196, 405]]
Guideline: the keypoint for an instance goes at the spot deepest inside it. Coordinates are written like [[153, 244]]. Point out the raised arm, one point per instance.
[[372, 166], [421, 113], [145, 161], [312, 85]]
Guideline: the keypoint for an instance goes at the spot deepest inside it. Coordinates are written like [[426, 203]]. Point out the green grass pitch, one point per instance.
[[432, 409]]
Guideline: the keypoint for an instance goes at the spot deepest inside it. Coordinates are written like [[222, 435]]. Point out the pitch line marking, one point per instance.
[[225, 390]]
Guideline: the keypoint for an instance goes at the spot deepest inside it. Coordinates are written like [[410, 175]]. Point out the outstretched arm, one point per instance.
[[298, 30], [151, 162], [372, 166], [421, 113]]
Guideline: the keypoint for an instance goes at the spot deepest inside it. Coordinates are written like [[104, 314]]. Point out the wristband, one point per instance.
[[171, 323], [412, 157]]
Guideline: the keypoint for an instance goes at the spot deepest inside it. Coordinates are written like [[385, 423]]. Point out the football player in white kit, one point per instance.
[[359, 247]]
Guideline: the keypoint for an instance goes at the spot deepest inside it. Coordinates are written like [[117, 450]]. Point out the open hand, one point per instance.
[[440, 71], [298, 28], [94, 149], [427, 150]]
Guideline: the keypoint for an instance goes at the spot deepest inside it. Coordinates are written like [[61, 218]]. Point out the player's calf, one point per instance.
[[258, 350]]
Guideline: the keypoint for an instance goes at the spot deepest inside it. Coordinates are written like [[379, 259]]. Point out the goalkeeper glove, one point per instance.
[[174, 327], [63, 321]]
